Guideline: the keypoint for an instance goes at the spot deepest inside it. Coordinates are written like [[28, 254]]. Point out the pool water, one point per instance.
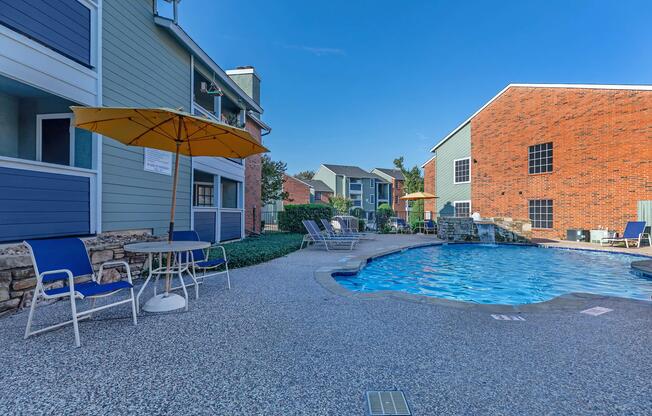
[[500, 274]]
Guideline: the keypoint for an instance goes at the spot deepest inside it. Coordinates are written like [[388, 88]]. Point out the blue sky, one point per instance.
[[363, 82]]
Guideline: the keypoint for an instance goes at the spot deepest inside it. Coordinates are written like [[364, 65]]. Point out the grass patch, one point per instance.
[[256, 250]]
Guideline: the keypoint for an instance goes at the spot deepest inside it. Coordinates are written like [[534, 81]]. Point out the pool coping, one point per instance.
[[569, 301]]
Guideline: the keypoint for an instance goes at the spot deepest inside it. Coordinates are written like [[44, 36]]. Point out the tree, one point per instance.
[[305, 174], [271, 183], [413, 183], [340, 204]]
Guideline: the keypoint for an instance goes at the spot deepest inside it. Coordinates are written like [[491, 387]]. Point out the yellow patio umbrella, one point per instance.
[[416, 196], [170, 130]]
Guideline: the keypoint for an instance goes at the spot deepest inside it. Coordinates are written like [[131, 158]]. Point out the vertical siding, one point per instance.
[[142, 66], [457, 147], [367, 191]]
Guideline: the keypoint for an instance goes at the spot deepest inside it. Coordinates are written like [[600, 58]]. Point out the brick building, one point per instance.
[[304, 191], [564, 156]]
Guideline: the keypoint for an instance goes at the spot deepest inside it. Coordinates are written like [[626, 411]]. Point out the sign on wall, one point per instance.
[[158, 161]]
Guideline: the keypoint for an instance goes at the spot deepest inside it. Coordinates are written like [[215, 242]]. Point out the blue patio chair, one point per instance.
[[634, 231], [401, 226], [429, 226], [63, 260], [200, 260]]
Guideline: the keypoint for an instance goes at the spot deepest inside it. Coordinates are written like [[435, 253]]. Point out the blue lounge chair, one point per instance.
[[429, 226], [315, 236], [346, 230], [63, 260], [332, 232], [634, 231], [200, 260]]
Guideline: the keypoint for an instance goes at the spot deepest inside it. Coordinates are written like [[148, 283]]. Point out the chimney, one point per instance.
[[247, 79]]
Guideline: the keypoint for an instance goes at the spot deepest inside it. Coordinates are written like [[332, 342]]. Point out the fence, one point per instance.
[[269, 219]]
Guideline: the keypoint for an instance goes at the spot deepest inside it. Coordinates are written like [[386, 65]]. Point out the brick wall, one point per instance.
[[325, 196], [252, 183], [429, 185], [397, 192], [602, 150], [299, 192]]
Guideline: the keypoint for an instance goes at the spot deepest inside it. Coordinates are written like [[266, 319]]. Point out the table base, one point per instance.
[[165, 302]]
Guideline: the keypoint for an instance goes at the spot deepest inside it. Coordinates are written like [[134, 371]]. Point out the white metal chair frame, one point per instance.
[[334, 242], [641, 237], [39, 292], [191, 266]]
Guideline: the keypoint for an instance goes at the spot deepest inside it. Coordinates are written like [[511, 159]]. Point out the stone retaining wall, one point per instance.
[[465, 229], [17, 278]]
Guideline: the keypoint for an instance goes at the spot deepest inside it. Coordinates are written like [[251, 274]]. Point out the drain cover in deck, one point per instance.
[[390, 402]]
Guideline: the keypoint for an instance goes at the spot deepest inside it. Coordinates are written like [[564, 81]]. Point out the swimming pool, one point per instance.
[[500, 274]]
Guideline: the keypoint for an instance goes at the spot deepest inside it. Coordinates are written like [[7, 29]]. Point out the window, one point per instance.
[[58, 142], [540, 213], [540, 158], [204, 194], [355, 185], [462, 172], [230, 193], [462, 209], [357, 200], [372, 199]]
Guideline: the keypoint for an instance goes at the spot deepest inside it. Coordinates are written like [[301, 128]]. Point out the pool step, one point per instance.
[[507, 317], [388, 402]]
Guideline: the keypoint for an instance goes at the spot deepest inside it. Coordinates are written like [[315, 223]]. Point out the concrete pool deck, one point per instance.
[[280, 342]]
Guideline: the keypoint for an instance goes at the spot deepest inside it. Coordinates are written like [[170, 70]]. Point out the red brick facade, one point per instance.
[[429, 185], [602, 156], [398, 205], [323, 197], [252, 195], [299, 192]]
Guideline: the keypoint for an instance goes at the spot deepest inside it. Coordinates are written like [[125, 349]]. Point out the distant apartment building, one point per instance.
[[564, 156], [305, 191], [366, 190], [397, 189], [56, 180]]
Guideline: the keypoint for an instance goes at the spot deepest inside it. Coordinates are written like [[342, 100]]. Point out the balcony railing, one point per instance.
[[201, 111]]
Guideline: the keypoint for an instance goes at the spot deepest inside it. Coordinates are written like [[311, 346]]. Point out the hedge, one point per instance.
[[255, 250], [290, 219]]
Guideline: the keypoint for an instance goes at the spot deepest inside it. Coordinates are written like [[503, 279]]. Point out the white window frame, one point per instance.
[[372, 199], [462, 202], [454, 168], [39, 135]]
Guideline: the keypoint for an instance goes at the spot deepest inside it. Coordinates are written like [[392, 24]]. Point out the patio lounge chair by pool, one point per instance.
[[63, 260], [346, 230], [332, 232], [200, 260], [634, 232], [316, 237]]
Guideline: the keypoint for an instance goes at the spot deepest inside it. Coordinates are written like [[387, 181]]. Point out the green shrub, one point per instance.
[[357, 212], [290, 219], [383, 214], [255, 250]]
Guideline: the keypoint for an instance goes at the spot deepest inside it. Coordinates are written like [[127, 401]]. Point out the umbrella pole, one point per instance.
[[168, 280]]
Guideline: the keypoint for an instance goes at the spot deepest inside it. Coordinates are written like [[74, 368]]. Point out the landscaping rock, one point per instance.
[[102, 256], [24, 284], [13, 262]]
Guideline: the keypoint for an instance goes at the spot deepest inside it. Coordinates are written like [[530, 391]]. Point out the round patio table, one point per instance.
[[166, 301]]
